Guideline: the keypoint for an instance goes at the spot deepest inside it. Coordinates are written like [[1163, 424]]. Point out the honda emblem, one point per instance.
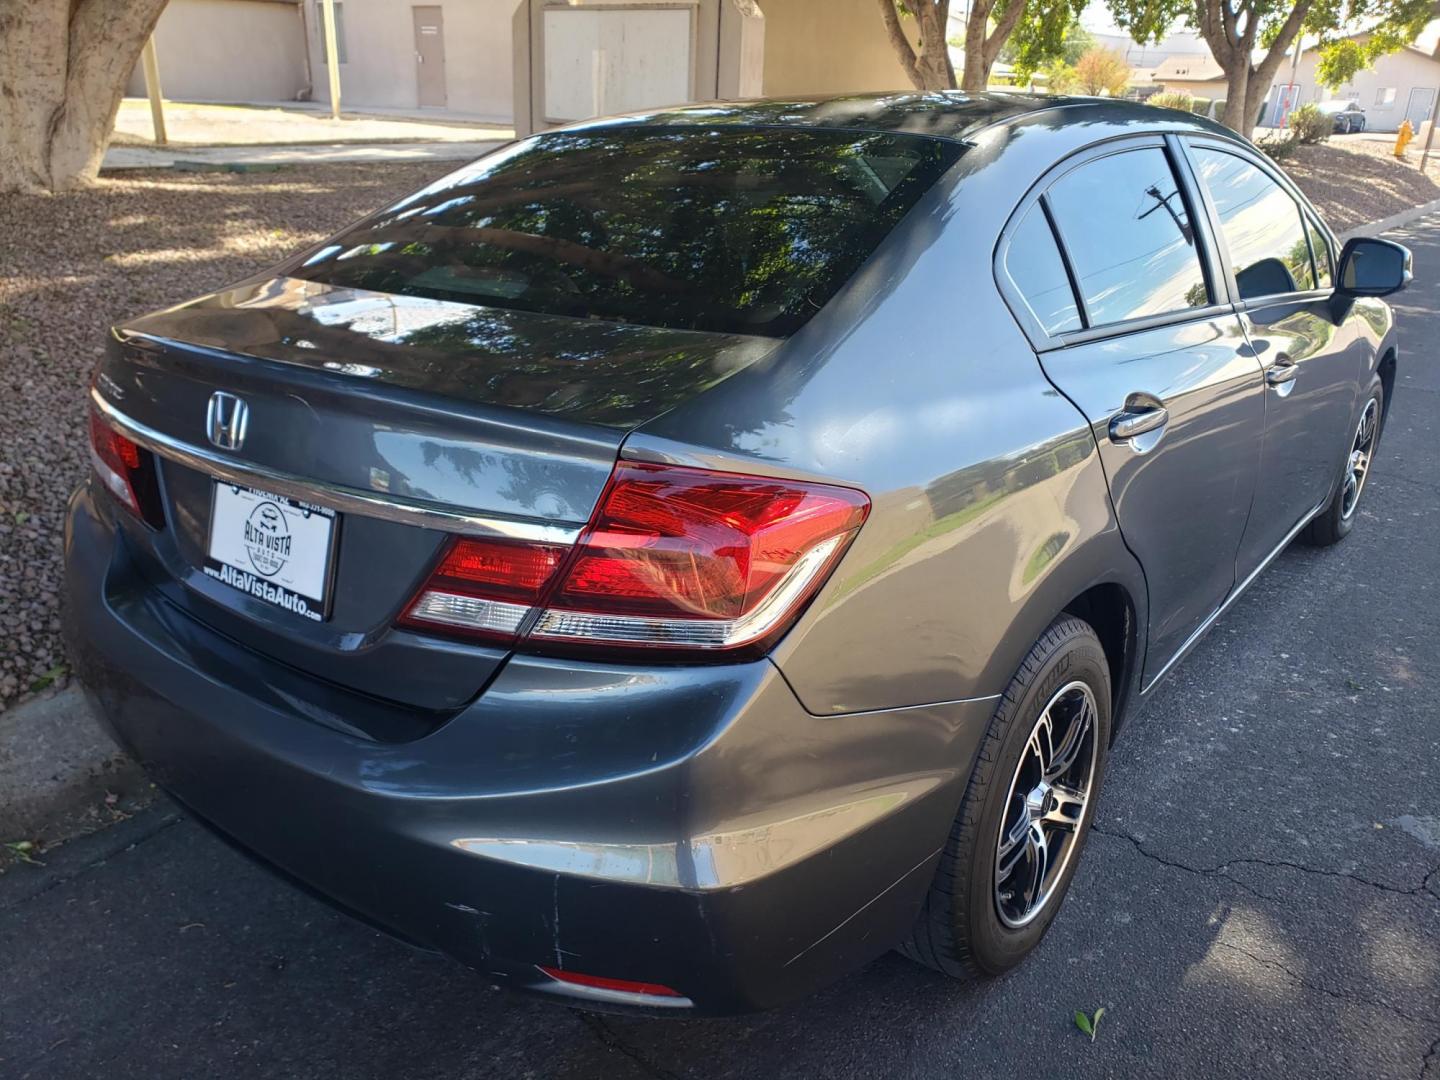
[[226, 419]]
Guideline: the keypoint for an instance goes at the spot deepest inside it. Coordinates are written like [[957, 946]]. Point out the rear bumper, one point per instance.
[[687, 826]]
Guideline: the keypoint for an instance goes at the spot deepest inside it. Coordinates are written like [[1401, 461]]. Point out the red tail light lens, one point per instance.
[[692, 559], [486, 588], [126, 470], [674, 559]]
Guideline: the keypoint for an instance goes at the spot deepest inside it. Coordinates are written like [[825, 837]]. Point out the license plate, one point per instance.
[[272, 548]]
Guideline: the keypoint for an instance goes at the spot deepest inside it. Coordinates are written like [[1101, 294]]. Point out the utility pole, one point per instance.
[[1294, 74], [332, 56], [151, 64], [1434, 114]]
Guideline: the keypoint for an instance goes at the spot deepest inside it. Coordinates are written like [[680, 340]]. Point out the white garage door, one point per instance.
[[599, 62]]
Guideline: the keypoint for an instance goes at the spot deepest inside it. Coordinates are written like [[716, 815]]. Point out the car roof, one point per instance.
[[949, 114]]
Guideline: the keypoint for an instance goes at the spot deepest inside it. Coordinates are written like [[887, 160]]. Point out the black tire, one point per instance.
[[959, 930], [1334, 522]]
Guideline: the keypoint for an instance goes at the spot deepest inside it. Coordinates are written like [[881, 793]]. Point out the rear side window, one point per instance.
[[1260, 224], [1127, 230], [732, 229], [1033, 262]]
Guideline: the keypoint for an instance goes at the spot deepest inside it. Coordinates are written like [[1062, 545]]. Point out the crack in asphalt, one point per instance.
[[1425, 885], [1320, 988], [1275, 965], [94, 864], [1220, 869], [1425, 1061], [601, 1030]]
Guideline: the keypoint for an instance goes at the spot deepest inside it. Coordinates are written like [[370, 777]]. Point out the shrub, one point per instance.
[[1200, 106], [1169, 100], [1218, 111], [1280, 146], [1310, 125], [1102, 71]]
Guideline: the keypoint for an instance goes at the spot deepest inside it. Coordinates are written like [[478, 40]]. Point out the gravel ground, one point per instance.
[[73, 265], [70, 266], [1352, 181]]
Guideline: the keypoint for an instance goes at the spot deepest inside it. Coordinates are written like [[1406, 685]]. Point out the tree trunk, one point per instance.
[[1237, 116], [983, 45], [977, 72], [63, 68], [928, 67], [1230, 33]]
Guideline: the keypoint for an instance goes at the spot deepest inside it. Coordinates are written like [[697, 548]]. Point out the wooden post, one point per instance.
[[1434, 115], [151, 65], [1430, 134], [332, 57]]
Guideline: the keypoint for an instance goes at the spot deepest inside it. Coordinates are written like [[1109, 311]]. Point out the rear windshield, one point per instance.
[[744, 231]]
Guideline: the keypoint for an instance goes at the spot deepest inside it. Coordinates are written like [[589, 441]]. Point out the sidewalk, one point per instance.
[[289, 123], [60, 774], [243, 158]]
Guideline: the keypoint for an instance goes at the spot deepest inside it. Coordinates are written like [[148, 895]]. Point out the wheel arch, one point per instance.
[[1111, 611], [1103, 584], [1386, 370]]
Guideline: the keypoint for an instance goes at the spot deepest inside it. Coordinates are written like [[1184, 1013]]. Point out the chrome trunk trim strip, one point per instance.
[[335, 496]]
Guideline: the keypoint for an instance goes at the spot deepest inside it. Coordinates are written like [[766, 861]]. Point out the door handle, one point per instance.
[[1128, 423], [1282, 371]]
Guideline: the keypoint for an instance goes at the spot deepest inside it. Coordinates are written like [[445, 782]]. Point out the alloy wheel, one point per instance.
[[1358, 467], [1046, 805]]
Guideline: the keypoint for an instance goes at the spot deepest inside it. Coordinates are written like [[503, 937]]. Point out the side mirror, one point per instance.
[[1373, 267]]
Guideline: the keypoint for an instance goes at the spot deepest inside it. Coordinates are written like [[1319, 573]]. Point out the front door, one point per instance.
[[1281, 262], [430, 55], [1286, 99], [1420, 106], [1160, 367]]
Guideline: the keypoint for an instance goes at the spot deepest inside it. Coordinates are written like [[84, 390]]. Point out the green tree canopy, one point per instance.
[[1238, 30], [1390, 27]]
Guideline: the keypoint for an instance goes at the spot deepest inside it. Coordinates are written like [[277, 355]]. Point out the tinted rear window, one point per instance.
[[743, 231]]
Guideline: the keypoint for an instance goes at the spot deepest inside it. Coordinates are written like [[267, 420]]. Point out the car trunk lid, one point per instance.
[[415, 419]]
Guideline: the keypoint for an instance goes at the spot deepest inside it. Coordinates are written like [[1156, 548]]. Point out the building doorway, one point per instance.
[[429, 56], [1422, 101]]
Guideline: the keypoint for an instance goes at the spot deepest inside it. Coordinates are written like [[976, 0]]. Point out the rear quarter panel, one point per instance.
[[990, 510]]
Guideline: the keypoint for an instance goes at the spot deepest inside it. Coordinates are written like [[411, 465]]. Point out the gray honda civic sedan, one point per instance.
[[679, 557]]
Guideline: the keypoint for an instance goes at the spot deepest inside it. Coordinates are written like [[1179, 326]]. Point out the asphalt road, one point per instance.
[[1261, 895]]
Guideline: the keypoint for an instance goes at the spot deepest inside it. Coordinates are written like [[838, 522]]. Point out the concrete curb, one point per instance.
[[1394, 221], [56, 768]]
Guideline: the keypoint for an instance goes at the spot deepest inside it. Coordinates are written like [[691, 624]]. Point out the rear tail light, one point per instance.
[[486, 588], [674, 559], [126, 470]]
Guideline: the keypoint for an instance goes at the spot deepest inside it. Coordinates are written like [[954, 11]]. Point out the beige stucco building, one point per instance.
[[230, 50], [1193, 74], [545, 60], [1401, 85]]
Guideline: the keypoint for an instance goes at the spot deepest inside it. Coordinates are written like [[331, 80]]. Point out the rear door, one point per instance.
[[1279, 262], [1132, 325]]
